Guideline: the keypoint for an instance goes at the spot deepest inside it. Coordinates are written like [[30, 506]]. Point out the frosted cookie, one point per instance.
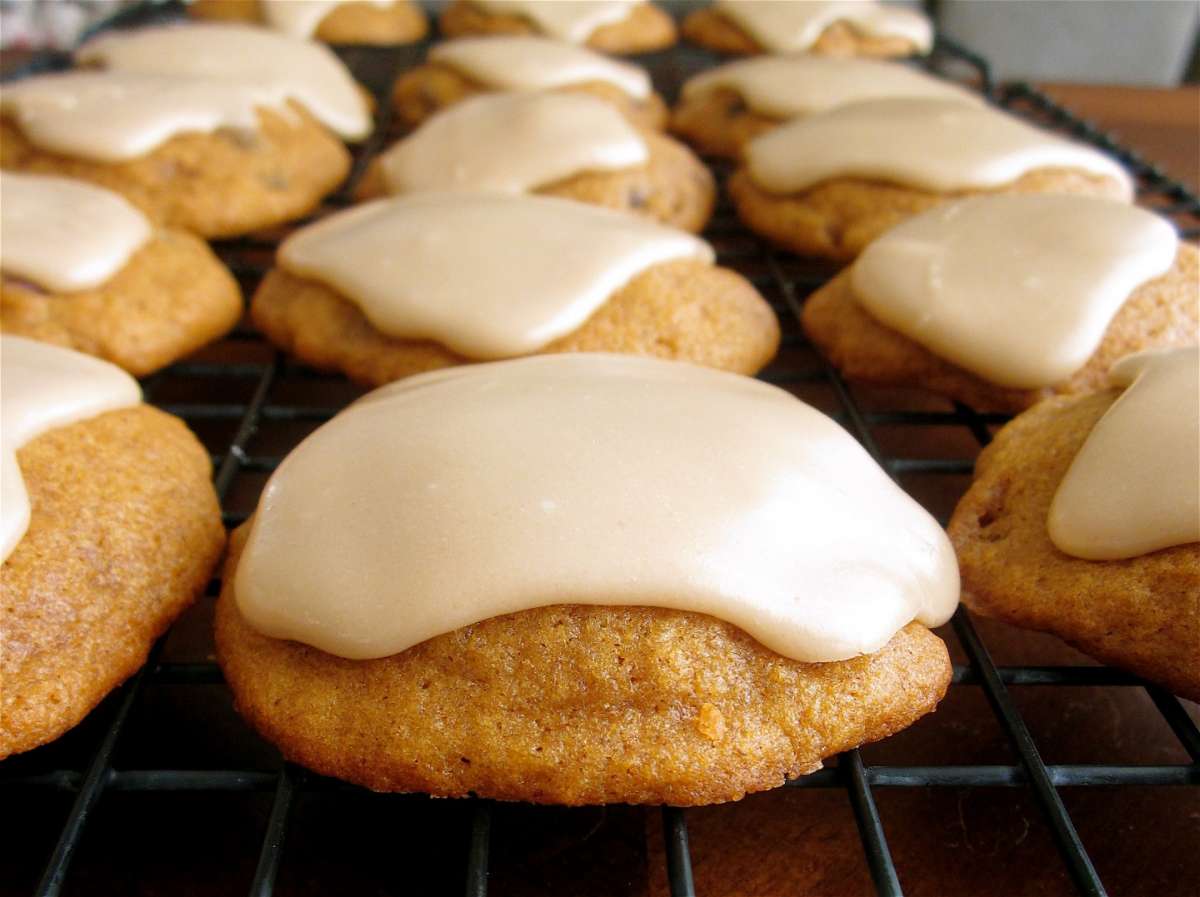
[[610, 26], [1084, 521], [419, 573], [218, 158], [998, 302], [722, 109], [464, 68], [81, 267], [305, 72], [401, 286], [109, 528], [837, 28], [830, 184], [569, 145], [381, 22]]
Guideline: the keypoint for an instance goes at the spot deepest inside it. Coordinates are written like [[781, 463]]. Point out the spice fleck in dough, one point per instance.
[[709, 29], [219, 184], [1160, 313], [124, 533], [658, 707], [719, 123], [837, 218], [681, 310], [349, 23], [1141, 613], [172, 297], [429, 88], [645, 29]]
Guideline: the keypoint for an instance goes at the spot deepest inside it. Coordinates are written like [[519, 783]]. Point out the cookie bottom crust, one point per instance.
[[645, 29], [1161, 313], [429, 88], [124, 533], [711, 30], [172, 297], [1141, 614], [836, 219], [222, 184], [719, 123], [681, 310], [351, 23], [575, 705]]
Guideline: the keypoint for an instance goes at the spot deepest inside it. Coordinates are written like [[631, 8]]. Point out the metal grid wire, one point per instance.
[[267, 394]]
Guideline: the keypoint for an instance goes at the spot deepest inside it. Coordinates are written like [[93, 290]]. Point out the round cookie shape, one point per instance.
[[412, 284], [722, 109], [569, 145], [829, 184], [123, 534], [216, 158], [828, 27], [83, 269], [308, 72], [1140, 613], [610, 26], [377, 22], [466, 67]]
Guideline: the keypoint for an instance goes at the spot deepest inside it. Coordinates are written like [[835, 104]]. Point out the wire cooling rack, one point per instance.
[[250, 406]]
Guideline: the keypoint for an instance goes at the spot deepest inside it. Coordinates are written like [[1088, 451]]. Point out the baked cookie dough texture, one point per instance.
[[378, 22], [719, 640], [94, 484], [1084, 521], [401, 286], [1000, 301], [456, 70]]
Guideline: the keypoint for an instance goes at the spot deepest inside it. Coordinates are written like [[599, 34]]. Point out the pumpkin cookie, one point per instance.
[[830, 184], [216, 158], [706, 662], [110, 529], [544, 275], [614, 26], [380, 22], [722, 109], [861, 28], [1133, 598], [464, 68], [568, 145], [83, 269], [997, 303]]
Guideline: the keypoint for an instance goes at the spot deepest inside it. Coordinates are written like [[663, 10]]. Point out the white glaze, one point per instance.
[[300, 18], [574, 21], [783, 26]]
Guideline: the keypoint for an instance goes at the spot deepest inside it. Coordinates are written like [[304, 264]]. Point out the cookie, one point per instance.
[[259, 166], [82, 269], [723, 109], [471, 66], [642, 29], [567, 145], [378, 22], [800, 189], [1000, 365], [123, 534], [1140, 613], [701, 670], [831, 29]]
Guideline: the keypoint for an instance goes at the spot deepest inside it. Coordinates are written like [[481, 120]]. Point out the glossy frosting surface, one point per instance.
[[1134, 487], [1017, 289], [513, 143], [521, 62], [478, 491], [43, 387], [785, 87], [304, 70], [485, 275], [300, 18], [795, 26], [65, 235], [112, 116], [574, 21], [935, 144]]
